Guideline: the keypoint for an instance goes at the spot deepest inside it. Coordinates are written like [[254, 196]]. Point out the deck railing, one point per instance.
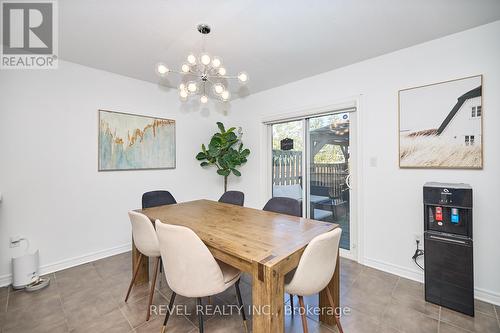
[[287, 170], [287, 167]]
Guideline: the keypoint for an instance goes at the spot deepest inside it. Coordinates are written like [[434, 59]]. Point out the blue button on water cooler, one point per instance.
[[454, 216]]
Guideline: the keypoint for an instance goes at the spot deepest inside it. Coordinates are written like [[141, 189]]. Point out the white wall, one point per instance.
[[52, 192], [391, 198]]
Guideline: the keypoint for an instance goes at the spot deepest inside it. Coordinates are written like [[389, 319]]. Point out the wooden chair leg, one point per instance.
[[136, 270], [169, 309], [332, 304], [303, 314], [291, 303], [200, 315], [152, 288], [161, 270]]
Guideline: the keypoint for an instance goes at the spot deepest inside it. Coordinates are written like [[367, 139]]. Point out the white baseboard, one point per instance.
[[416, 275], [405, 272], [6, 280]]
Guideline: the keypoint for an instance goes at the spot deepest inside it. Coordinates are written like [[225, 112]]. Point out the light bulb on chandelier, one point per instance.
[[225, 95], [206, 73], [218, 88], [191, 58], [185, 68], [192, 87], [243, 77], [216, 62], [205, 59], [162, 69]]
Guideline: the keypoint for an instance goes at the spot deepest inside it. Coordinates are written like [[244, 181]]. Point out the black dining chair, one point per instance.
[[157, 198], [283, 205], [233, 197]]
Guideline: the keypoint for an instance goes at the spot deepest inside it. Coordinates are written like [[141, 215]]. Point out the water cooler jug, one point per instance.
[[449, 274]]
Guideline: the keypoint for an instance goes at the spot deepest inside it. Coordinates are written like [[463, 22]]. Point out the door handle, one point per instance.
[[448, 239], [348, 181]]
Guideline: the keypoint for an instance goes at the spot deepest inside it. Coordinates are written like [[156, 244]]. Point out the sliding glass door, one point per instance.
[[312, 161], [287, 159], [328, 172]]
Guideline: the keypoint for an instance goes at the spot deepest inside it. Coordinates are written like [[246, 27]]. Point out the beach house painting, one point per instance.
[[133, 142], [440, 125]]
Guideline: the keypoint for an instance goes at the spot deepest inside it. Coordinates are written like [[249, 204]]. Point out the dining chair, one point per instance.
[[284, 205], [146, 242], [191, 270], [233, 197], [157, 198], [314, 271]]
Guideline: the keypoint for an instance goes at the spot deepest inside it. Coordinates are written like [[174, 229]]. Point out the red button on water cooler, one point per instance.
[[439, 214]]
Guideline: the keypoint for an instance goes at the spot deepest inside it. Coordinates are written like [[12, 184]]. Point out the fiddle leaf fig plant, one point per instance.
[[225, 151]]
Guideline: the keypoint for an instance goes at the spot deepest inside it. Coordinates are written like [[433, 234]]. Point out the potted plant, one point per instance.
[[225, 151]]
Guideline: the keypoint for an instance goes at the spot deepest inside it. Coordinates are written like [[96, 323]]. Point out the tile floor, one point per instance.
[[89, 298]]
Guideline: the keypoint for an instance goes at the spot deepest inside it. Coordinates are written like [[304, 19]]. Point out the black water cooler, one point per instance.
[[449, 275]]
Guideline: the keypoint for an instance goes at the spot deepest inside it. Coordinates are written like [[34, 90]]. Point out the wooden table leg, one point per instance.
[[143, 274], [326, 316], [267, 296]]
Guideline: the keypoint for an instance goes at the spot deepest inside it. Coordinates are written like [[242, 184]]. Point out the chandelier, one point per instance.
[[203, 75]]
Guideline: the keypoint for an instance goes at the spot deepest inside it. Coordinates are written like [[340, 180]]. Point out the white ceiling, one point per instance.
[[276, 42]]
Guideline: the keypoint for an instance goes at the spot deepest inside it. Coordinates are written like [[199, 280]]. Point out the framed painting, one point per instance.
[[441, 125], [135, 142]]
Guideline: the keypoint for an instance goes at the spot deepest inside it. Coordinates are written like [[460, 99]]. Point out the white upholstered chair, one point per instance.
[[146, 242], [314, 272], [190, 268]]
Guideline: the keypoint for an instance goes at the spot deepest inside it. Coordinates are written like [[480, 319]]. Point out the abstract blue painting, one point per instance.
[[134, 142]]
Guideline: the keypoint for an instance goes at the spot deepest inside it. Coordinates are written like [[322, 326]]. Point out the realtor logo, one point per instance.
[[29, 35]]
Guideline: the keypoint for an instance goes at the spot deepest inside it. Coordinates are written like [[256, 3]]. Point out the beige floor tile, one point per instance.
[[293, 324], [486, 308], [3, 299], [88, 305], [410, 294], [382, 328], [111, 322], [226, 323], [76, 279], [408, 320], [21, 298], [114, 267], [176, 324], [359, 322], [480, 323], [48, 328], [366, 302], [119, 291], [447, 328], [3, 291], [42, 314], [350, 267], [135, 312]]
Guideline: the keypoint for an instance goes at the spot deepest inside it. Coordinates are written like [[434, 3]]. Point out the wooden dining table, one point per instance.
[[264, 244]]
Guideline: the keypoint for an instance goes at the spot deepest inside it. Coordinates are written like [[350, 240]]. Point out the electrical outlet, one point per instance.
[[418, 238], [15, 241]]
